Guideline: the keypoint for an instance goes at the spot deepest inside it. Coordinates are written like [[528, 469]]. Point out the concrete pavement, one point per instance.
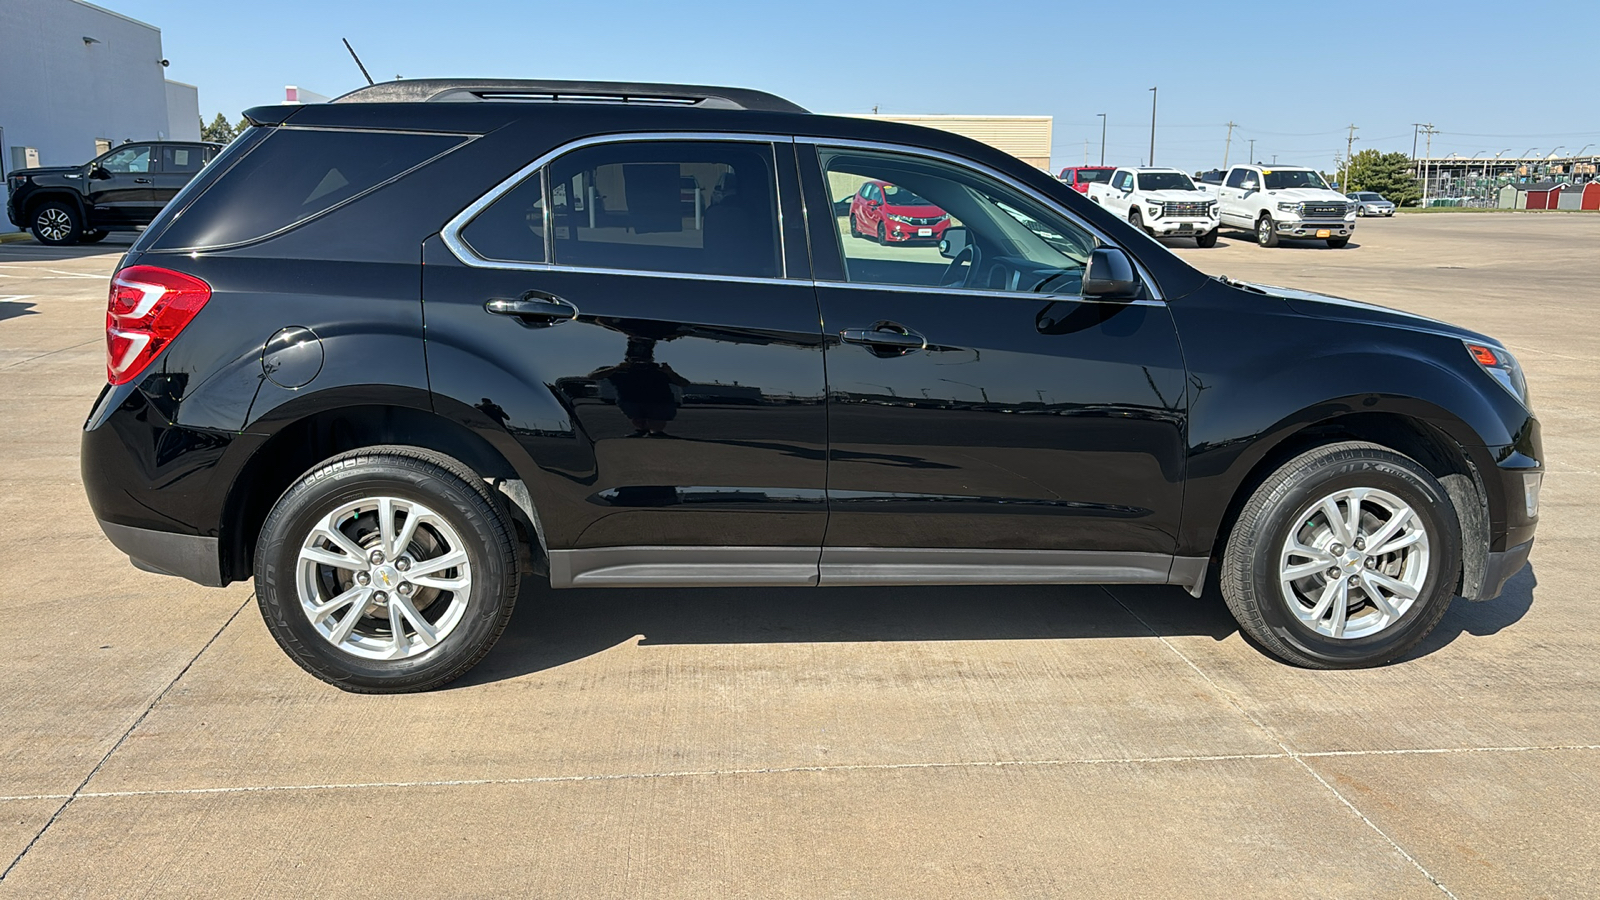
[[960, 742]]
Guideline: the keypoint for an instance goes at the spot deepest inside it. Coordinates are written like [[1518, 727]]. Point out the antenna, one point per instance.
[[358, 61]]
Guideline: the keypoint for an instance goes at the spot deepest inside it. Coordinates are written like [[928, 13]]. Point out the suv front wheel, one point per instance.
[[1345, 557], [387, 570], [57, 223]]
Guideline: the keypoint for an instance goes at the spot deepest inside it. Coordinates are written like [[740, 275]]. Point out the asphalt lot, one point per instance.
[[862, 742]]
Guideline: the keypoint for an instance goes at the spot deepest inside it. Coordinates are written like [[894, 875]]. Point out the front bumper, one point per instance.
[[901, 233], [1186, 225], [1500, 567], [1310, 228]]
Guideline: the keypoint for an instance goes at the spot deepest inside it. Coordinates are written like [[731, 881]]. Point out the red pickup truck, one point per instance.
[[1080, 177]]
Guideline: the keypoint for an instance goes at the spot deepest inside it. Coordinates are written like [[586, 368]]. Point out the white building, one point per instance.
[[1025, 137], [76, 79]]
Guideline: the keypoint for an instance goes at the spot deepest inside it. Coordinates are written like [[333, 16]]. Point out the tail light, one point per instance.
[[148, 306]]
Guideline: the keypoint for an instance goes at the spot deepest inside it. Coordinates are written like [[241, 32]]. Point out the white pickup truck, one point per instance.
[[1163, 202], [1284, 202]]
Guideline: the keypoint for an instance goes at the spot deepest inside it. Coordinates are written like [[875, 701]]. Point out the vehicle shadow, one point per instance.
[[552, 628], [11, 309], [1482, 619], [1245, 237], [32, 251]]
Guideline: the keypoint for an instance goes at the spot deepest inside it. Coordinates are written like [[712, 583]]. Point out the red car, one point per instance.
[[894, 215], [1080, 177]]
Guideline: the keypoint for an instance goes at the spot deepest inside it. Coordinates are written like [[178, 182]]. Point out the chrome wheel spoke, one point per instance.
[[1389, 529], [1290, 573], [1389, 565], [1341, 609], [1398, 544], [357, 594], [1330, 593], [1375, 594], [408, 531], [386, 526], [336, 560], [436, 564], [457, 584], [1330, 510], [401, 606], [341, 632], [1394, 584]]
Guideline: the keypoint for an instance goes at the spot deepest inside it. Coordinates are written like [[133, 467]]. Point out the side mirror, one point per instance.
[[98, 172], [1248, 185], [953, 242], [1110, 276]]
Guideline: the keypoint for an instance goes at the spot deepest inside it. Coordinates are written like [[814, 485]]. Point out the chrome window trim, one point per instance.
[[451, 232], [977, 292], [941, 156], [360, 130]]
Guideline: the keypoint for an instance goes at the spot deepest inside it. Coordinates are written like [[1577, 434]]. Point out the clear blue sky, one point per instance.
[[1470, 67]]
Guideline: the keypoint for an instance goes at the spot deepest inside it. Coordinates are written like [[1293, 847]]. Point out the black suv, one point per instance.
[[121, 189], [393, 353]]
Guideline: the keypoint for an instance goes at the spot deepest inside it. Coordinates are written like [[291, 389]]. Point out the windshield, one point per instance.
[[1285, 179], [1165, 181], [1094, 176], [899, 196]]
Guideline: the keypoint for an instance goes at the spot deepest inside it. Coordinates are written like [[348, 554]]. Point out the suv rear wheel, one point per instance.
[[57, 223], [1345, 557], [387, 570]]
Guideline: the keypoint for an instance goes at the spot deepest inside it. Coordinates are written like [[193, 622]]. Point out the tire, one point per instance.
[[1136, 220], [854, 231], [1266, 231], [457, 518], [1209, 239], [56, 223], [1288, 619], [94, 237], [1338, 243], [883, 235]]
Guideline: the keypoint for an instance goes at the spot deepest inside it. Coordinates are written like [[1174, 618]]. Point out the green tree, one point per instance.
[[219, 131], [1387, 173]]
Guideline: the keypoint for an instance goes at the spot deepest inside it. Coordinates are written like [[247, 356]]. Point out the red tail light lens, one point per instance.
[[148, 306]]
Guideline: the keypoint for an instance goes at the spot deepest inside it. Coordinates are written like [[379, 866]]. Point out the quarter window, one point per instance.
[[512, 228], [704, 208], [946, 225]]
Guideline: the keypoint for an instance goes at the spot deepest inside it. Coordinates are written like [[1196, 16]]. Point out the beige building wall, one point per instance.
[[1025, 137]]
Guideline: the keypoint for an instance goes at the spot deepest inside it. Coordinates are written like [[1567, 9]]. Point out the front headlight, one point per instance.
[[1503, 368], [1289, 207], [1155, 211]]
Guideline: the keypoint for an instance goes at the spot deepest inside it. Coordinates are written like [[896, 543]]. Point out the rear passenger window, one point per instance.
[[293, 175], [180, 160], [705, 208]]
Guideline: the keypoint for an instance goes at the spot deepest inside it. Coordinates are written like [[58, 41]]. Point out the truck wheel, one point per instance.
[[1345, 557], [1209, 239], [1137, 221], [56, 223], [1266, 231], [1338, 243], [387, 570]]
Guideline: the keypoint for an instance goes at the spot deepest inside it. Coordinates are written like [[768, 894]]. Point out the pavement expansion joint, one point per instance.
[[78, 792], [1290, 752]]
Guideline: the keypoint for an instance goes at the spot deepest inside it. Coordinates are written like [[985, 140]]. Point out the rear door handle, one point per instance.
[[141, 181], [546, 308], [885, 335]]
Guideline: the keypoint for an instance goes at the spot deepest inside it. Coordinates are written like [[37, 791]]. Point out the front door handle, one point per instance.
[[141, 181], [886, 336], [545, 308]]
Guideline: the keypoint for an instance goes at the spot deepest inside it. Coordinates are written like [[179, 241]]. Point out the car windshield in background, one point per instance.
[[1286, 179], [1094, 176], [1165, 181], [899, 196]]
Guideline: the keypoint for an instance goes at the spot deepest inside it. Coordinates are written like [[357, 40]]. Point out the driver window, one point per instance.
[[128, 160], [1236, 179], [943, 225]]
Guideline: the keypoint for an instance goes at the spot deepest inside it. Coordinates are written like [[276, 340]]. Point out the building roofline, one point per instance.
[[181, 83], [112, 12]]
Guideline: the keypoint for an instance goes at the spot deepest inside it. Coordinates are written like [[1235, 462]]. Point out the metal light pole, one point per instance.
[[1102, 138], [1252, 158], [1153, 96]]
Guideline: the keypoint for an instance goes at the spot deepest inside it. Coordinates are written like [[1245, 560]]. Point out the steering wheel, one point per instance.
[[953, 276]]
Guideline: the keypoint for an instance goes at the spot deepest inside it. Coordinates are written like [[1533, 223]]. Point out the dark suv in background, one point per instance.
[[123, 188], [393, 353]]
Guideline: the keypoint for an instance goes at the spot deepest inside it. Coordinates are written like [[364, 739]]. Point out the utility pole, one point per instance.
[[1252, 158], [1430, 131], [1086, 151], [1229, 145], [1153, 96], [1102, 139], [1344, 181]]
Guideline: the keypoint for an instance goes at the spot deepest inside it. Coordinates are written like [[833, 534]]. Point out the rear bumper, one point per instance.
[[188, 556]]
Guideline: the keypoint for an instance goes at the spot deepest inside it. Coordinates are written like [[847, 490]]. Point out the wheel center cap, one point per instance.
[[385, 578]]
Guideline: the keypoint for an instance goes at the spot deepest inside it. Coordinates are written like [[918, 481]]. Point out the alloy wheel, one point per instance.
[[384, 578], [54, 224], [1355, 564]]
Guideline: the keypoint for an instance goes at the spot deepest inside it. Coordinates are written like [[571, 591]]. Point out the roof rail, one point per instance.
[[434, 90]]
